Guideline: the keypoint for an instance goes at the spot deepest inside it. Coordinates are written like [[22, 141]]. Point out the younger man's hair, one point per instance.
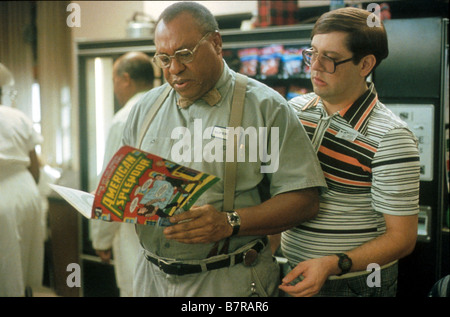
[[363, 39]]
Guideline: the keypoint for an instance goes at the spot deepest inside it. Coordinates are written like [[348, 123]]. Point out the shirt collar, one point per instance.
[[133, 100], [218, 91], [225, 81], [356, 114]]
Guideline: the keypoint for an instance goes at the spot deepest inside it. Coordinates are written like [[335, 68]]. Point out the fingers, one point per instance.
[[299, 282], [292, 275], [105, 255], [299, 287], [198, 225], [186, 216], [188, 236]]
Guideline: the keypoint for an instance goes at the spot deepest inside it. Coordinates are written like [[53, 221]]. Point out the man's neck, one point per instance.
[[336, 104]]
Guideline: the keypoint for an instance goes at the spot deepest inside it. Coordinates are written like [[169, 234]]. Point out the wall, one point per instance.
[[104, 19], [108, 19]]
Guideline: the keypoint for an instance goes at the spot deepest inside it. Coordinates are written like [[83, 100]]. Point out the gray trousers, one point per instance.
[[261, 279]]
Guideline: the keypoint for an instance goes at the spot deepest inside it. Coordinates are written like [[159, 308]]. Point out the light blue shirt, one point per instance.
[[297, 167]]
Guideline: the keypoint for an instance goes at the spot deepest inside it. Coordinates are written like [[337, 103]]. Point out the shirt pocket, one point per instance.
[[160, 146]]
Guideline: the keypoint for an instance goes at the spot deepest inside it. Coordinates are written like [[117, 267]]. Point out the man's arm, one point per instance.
[[395, 190], [34, 167], [275, 215], [398, 241]]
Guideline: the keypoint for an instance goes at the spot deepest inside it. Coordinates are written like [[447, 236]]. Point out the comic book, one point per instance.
[[141, 188]]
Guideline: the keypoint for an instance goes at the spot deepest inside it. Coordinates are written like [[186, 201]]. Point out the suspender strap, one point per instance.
[[151, 114], [237, 107]]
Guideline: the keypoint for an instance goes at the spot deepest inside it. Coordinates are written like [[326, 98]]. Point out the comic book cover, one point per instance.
[[141, 188]]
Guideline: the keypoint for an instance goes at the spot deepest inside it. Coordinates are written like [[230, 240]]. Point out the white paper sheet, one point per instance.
[[80, 200]]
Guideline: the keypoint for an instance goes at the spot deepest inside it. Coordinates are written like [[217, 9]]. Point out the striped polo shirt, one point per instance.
[[370, 161]]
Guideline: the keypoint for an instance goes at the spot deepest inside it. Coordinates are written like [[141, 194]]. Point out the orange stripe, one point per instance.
[[343, 111], [311, 103], [365, 145], [309, 124], [344, 158], [346, 181], [362, 144], [365, 114]]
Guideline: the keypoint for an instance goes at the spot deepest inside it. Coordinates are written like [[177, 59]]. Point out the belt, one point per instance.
[[178, 268]]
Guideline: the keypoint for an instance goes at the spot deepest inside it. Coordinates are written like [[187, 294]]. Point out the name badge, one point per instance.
[[220, 133], [349, 135]]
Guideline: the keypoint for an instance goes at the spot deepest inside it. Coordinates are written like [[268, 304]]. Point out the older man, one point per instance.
[[212, 249]]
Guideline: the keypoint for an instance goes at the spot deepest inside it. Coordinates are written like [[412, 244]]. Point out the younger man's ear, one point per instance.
[[367, 64]]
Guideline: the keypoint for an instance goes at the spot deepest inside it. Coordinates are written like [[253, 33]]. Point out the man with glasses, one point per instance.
[[368, 214], [211, 250]]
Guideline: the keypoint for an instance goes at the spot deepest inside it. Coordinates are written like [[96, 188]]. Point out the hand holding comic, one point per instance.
[[200, 224], [140, 188]]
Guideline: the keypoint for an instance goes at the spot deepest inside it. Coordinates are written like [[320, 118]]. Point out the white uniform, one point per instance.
[[120, 236], [22, 226]]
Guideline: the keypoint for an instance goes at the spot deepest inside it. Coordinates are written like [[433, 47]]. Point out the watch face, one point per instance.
[[345, 264], [234, 219]]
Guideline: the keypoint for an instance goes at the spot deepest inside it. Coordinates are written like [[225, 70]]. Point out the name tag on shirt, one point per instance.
[[349, 135], [220, 133]]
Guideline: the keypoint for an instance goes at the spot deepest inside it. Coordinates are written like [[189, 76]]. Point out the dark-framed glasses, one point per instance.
[[329, 64], [184, 56]]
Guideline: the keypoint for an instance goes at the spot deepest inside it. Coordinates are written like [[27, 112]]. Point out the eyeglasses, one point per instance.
[[329, 64], [184, 56]]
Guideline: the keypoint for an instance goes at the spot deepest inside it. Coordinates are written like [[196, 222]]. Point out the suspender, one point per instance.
[[237, 107], [151, 114]]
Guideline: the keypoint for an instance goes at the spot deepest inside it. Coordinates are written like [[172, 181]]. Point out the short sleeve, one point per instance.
[[298, 166], [396, 174]]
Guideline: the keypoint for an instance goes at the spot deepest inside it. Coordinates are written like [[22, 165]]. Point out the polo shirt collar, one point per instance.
[[356, 114]]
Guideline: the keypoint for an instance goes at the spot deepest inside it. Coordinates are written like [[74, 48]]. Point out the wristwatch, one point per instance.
[[345, 263], [234, 221]]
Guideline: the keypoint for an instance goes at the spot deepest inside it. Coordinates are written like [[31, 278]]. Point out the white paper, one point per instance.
[[80, 200]]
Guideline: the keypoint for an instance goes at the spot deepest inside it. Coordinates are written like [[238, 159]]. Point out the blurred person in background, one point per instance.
[[22, 227], [132, 76]]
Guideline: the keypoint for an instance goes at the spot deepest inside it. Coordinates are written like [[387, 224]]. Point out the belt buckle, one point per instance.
[[250, 257], [161, 262]]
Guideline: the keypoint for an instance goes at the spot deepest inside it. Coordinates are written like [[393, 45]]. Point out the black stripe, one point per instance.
[[356, 111], [398, 161], [348, 231], [348, 147]]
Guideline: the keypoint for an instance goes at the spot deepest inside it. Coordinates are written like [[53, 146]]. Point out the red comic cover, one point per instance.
[[139, 187]]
